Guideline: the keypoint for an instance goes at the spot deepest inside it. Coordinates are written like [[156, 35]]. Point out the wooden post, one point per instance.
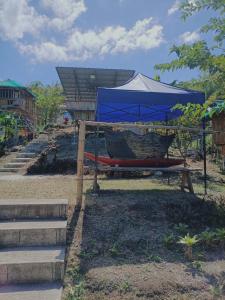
[[80, 164]]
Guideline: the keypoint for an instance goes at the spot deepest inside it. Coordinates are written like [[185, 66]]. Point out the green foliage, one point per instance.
[[207, 237], [220, 236], [217, 109], [125, 287], [76, 292], [188, 241], [8, 122], [215, 24], [169, 240], [181, 228], [49, 99], [198, 55]]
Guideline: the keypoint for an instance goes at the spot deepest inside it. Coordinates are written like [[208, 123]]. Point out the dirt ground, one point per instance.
[[116, 247]]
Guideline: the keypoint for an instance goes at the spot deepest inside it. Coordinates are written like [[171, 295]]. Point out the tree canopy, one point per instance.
[[49, 99], [209, 60]]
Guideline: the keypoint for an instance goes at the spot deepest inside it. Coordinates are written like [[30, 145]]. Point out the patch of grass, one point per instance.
[[114, 251], [125, 287], [216, 292], [76, 292], [155, 258]]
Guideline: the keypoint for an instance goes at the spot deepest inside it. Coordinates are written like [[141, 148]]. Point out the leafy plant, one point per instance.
[[188, 242], [114, 250], [125, 287], [220, 236], [77, 292], [155, 258], [169, 240], [181, 228], [207, 237]]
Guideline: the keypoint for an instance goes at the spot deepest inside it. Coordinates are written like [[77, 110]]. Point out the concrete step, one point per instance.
[[26, 154], [9, 170], [21, 159], [44, 291], [16, 165], [33, 233], [32, 208], [31, 265]]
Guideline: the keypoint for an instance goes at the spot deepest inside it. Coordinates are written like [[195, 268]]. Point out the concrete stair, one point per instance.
[[46, 291], [32, 248], [30, 151], [33, 233]]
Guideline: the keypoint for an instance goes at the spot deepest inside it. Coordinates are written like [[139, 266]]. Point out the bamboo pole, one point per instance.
[[80, 164], [129, 125]]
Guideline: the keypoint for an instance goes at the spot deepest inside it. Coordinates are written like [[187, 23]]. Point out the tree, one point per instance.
[[199, 55], [215, 24], [49, 99]]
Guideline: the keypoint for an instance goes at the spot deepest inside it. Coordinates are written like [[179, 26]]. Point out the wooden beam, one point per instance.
[[80, 164], [132, 125]]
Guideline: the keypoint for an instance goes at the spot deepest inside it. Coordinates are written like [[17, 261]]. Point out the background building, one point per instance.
[[80, 87]]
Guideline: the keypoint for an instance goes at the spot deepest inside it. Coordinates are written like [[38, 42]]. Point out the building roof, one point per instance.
[[80, 84], [13, 84]]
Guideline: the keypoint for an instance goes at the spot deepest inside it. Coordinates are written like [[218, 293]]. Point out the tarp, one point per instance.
[[142, 99]]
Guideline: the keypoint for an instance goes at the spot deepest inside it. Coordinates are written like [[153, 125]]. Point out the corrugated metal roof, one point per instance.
[[11, 83], [80, 84]]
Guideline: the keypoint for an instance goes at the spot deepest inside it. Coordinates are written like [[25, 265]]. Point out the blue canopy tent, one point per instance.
[[142, 99]]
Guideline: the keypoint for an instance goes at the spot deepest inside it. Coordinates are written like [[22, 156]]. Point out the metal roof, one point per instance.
[[80, 84]]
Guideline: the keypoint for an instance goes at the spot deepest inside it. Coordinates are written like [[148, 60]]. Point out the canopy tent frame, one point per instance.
[[81, 146]]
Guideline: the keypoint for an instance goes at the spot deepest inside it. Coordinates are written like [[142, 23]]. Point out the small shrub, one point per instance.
[[207, 237], [169, 240], [188, 242], [125, 287], [181, 228], [77, 292], [220, 236]]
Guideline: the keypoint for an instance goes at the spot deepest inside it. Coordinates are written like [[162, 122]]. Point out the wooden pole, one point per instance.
[[80, 164], [130, 125]]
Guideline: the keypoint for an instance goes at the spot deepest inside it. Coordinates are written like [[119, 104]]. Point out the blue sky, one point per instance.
[[36, 36]]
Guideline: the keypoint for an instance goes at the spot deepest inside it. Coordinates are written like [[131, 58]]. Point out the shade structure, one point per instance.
[[142, 99]]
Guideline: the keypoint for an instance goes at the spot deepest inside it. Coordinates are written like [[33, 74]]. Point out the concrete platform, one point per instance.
[[31, 264], [33, 233], [32, 208], [49, 291]]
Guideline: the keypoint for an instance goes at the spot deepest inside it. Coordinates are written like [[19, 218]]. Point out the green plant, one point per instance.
[[216, 291], [197, 265], [188, 242], [220, 236], [181, 228], [74, 274], [169, 240], [155, 258], [77, 292], [207, 237], [114, 250], [125, 287]]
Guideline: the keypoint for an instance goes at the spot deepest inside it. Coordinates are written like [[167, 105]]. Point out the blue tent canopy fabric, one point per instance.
[[142, 99]]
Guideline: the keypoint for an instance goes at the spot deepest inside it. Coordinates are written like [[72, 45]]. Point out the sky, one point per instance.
[[38, 35]]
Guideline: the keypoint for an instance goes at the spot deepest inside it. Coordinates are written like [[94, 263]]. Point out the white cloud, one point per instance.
[[19, 18], [174, 8], [65, 12], [190, 37], [111, 40]]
